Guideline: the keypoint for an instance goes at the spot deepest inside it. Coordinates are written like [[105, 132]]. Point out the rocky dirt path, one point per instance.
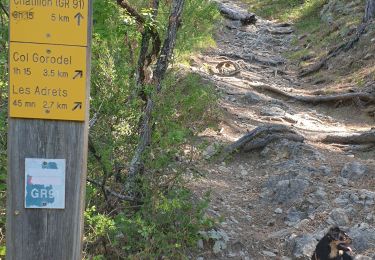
[[276, 201]]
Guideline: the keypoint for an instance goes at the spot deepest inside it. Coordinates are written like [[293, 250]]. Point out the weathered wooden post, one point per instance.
[[49, 75]]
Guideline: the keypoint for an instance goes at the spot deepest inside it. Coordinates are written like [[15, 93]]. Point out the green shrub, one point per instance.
[[167, 221], [166, 225], [185, 108]]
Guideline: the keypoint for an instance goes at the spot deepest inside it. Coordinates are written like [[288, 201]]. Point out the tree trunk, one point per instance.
[[161, 67], [169, 43], [369, 11], [4, 9]]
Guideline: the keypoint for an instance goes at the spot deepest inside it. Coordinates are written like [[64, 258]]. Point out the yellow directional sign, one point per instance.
[[47, 81], [49, 21]]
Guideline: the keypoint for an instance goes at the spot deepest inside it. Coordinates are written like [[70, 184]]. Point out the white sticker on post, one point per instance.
[[45, 183]]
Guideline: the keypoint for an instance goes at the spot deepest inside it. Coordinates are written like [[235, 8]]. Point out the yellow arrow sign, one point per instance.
[[49, 21], [47, 81]]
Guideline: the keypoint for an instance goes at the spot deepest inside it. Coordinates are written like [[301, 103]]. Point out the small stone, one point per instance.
[[363, 257], [219, 246], [223, 169], [342, 201], [293, 216], [200, 244], [302, 223], [200, 258], [326, 171], [268, 253], [233, 219], [351, 212], [272, 111], [278, 211], [342, 181], [210, 151], [320, 194], [271, 222], [369, 56], [249, 218], [252, 98], [307, 57], [244, 173]]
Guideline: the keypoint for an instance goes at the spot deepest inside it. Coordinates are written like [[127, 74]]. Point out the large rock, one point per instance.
[[272, 111], [211, 150], [300, 168], [285, 149], [253, 98], [304, 247], [333, 7], [285, 191], [362, 197], [318, 196], [353, 170], [363, 237], [293, 216], [338, 217]]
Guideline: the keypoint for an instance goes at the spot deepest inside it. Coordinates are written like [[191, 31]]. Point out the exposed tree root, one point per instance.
[[260, 137], [360, 147], [244, 17], [110, 192], [365, 138], [263, 135], [223, 66], [257, 144], [280, 31], [317, 99], [252, 58], [334, 52], [370, 111]]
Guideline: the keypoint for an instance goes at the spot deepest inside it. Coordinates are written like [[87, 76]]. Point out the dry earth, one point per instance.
[[276, 201]]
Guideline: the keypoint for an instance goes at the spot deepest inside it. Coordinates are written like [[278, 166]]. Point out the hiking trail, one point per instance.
[[276, 197]]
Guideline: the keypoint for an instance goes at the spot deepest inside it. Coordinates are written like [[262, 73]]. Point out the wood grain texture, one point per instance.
[[48, 234]]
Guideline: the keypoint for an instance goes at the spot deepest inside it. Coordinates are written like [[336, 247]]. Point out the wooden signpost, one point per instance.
[[49, 65]]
